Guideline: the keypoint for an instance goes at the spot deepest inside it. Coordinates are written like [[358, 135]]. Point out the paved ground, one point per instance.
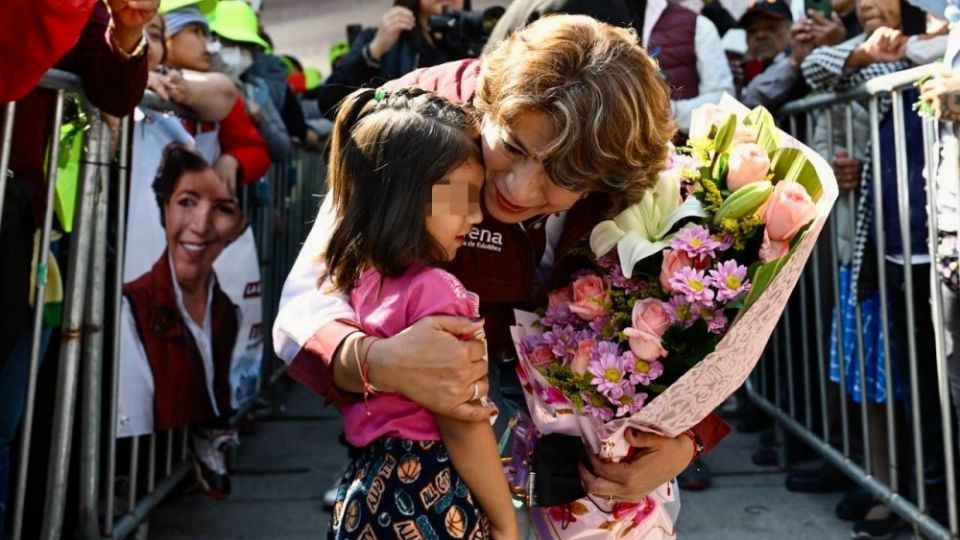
[[284, 468]]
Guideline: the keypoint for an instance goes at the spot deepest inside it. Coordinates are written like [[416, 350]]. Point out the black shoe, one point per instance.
[[854, 505], [765, 457], [696, 477], [827, 479], [875, 529]]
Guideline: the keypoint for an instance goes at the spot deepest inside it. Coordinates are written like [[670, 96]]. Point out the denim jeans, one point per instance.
[[13, 395]]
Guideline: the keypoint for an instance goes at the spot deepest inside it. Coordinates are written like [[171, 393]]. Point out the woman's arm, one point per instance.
[[473, 452]]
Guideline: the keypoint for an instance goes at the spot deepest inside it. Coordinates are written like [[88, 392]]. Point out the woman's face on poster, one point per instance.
[[200, 218]]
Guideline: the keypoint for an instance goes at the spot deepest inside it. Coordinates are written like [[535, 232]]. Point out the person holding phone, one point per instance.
[[400, 44]]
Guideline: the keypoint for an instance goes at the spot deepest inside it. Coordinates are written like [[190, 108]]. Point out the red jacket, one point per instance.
[[34, 34], [240, 139], [112, 84], [180, 383], [499, 263]]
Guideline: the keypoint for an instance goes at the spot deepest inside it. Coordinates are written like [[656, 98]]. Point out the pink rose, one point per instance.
[[771, 250], [673, 261], [748, 163], [560, 297], [589, 297], [582, 357], [787, 211], [650, 320], [541, 355]]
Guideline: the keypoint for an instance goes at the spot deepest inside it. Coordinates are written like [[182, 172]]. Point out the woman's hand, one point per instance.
[[428, 363], [660, 459], [824, 31], [943, 94], [395, 21]]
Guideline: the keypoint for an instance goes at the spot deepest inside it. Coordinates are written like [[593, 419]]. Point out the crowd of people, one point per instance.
[[247, 106]]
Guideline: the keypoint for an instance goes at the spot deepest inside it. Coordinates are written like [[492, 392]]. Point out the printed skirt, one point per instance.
[[405, 490]]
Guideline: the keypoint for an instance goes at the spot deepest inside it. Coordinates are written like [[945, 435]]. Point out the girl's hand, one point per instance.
[[395, 21], [885, 45]]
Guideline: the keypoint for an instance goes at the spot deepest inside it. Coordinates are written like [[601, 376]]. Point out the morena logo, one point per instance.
[[485, 239]]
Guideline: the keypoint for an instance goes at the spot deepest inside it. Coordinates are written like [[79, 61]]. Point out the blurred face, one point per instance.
[[154, 30], [435, 7], [455, 206], [200, 219], [517, 186], [876, 13], [767, 36], [188, 48]]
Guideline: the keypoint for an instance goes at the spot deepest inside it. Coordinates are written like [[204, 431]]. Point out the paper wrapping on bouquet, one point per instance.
[[696, 394]]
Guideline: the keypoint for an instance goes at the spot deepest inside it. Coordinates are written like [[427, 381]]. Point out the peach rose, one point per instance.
[[673, 260], [541, 355], [650, 321], [589, 297], [748, 163], [771, 250], [788, 209], [559, 297], [582, 357]]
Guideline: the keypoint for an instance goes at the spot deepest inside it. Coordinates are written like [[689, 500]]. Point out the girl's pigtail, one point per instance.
[[352, 109]]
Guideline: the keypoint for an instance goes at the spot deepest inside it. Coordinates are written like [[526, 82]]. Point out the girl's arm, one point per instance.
[[473, 451]]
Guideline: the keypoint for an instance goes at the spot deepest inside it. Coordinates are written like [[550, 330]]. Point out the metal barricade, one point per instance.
[[119, 482], [876, 459]]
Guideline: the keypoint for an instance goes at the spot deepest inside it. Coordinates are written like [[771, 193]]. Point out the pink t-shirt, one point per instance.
[[386, 311]]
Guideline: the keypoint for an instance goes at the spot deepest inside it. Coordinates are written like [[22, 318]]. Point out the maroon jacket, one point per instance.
[[112, 84], [180, 394], [672, 38], [499, 262]]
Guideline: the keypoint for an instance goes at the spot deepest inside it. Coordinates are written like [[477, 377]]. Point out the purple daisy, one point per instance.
[[597, 405], [682, 311], [696, 241], [630, 402], [717, 322], [694, 285], [609, 373], [644, 371], [730, 279], [560, 316], [563, 342]]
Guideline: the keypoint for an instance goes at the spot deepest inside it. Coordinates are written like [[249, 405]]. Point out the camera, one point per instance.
[[464, 32]]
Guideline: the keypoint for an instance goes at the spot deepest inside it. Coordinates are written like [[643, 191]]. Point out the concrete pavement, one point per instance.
[[285, 466]]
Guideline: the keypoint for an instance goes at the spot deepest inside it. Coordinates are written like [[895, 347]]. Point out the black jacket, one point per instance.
[[625, 13], [406, 55]]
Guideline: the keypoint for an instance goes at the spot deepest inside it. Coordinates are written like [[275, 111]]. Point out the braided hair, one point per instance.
[[387, 151]]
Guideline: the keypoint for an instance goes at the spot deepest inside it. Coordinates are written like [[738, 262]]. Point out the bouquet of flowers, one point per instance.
[[686, 289]]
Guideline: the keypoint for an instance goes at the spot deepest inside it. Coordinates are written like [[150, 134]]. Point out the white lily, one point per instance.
[[642, 229]]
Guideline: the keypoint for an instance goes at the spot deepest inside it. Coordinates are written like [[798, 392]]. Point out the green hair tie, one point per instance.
[[380, 94]]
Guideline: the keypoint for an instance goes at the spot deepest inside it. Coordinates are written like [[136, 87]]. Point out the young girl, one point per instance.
[[405, 175]]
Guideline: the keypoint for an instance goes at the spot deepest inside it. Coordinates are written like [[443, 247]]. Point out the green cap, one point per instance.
[[235, 20], [205, 6], [313, 77], [338, 49]]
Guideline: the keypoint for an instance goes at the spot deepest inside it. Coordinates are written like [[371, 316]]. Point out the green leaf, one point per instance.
[[762, 278], [790, 164], [725, 134], [719, 169], [759, 116], [768, 138]]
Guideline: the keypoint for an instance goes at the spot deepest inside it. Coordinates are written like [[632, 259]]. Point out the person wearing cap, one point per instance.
[[771, 69], [244, 158], [245, 56], [338, 51]]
